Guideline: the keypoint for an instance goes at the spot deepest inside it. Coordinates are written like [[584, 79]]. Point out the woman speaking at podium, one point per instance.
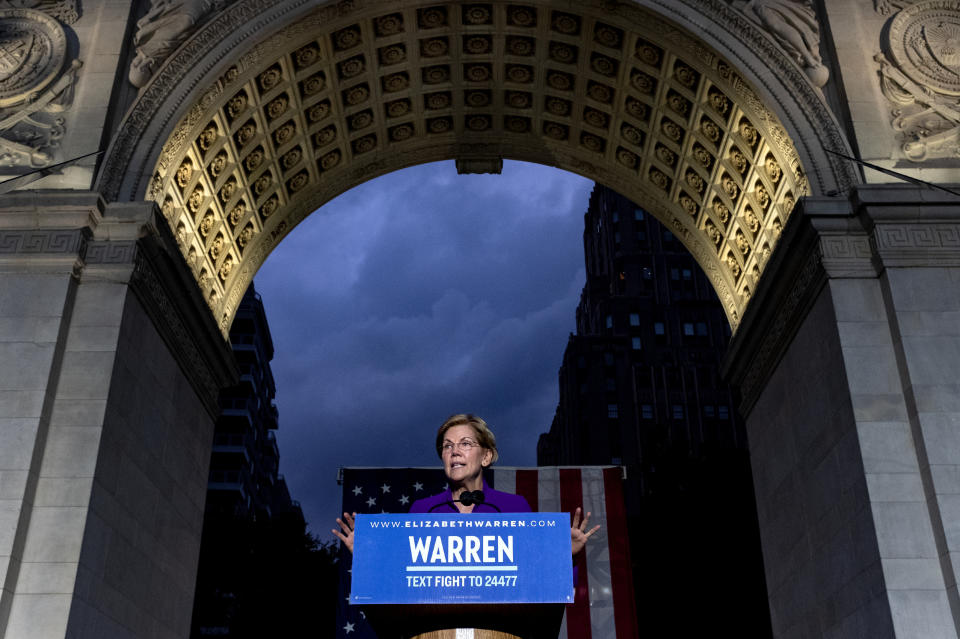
[[467, 446]]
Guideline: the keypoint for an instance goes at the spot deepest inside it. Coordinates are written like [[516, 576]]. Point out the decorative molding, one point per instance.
[[778, 331], [111, 252], [68, 242], [847, 255], [917, 244], [203, 356]]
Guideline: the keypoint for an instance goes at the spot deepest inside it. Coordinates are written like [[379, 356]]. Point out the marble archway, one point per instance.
[[633, 97]]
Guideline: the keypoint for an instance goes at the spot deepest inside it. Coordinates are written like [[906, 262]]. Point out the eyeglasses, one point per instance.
[[464, 446]]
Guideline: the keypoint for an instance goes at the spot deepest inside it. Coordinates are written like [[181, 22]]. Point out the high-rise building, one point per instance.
[[252, 529], [244, 467], [640, 387]]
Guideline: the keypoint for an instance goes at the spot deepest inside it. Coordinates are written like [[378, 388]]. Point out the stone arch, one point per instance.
[[238, 142]]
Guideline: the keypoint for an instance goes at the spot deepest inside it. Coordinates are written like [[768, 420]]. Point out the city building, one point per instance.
[[640, 387], [251, 524], [244, 466]]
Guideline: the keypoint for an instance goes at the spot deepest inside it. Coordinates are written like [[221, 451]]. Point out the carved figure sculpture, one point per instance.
[[793, 24], [165, 27]]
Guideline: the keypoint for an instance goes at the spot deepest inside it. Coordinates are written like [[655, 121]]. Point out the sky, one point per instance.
[[412, 297]]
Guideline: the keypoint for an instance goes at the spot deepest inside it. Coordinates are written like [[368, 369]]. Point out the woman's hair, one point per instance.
[[485, 436]]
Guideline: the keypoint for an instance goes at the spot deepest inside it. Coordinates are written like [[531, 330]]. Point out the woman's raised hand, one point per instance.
[[578, 532], [346, 530]]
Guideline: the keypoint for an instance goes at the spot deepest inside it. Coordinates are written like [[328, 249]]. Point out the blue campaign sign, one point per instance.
[[462, 558]]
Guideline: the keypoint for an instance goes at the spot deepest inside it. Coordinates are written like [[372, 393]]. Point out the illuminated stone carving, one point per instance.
[[622, 97], [165, 27], [920, 75], [793, 24], [35, 88]]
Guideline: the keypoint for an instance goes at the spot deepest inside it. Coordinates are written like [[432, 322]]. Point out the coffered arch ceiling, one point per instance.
[[339, 96]]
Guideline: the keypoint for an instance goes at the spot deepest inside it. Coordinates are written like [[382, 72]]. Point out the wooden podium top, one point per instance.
[[466, 633], [466, 621]]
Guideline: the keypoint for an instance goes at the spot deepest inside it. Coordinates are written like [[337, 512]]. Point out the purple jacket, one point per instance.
[[506, 502]]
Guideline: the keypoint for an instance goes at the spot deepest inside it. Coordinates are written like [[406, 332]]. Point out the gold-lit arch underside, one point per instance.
[[621, 97]]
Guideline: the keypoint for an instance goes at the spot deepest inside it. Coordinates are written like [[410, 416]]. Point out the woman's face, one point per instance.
[[462, 462]]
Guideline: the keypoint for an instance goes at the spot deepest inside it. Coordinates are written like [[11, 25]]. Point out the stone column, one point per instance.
[[109, 369], [849, 364]]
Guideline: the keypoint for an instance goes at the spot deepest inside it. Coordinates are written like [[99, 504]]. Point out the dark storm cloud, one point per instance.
[[417, 295]]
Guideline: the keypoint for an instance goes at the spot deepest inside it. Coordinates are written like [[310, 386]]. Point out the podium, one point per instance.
[[463, 576], [467, 621]]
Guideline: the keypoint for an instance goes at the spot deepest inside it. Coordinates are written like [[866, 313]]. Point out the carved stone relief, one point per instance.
[[165, 27], [36, 83], [66, 11], [793, 24], [920, 76]]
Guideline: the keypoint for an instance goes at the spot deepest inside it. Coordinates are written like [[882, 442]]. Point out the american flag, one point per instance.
[[604, 606]]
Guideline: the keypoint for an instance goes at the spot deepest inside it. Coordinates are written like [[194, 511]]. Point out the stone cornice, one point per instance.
[[47, 231], [910, 226], [76, 233], [50, 209]]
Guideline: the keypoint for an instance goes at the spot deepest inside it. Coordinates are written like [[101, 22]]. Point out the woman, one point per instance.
[[467, 446]]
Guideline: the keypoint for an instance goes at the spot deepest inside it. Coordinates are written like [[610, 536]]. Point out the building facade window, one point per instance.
[[609, 321], [688, 328], [634, 319], [636, 343], [659, 328], [678, 411], [613, 411], [646, 411]]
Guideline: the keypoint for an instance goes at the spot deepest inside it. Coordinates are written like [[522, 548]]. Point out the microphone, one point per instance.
[[471, 497], [467, 498]]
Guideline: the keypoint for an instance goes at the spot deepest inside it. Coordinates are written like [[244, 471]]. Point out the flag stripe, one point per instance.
[[503, 479], [527, 488], [548, 499], [620, 569], [602, 622], [578, 613]]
